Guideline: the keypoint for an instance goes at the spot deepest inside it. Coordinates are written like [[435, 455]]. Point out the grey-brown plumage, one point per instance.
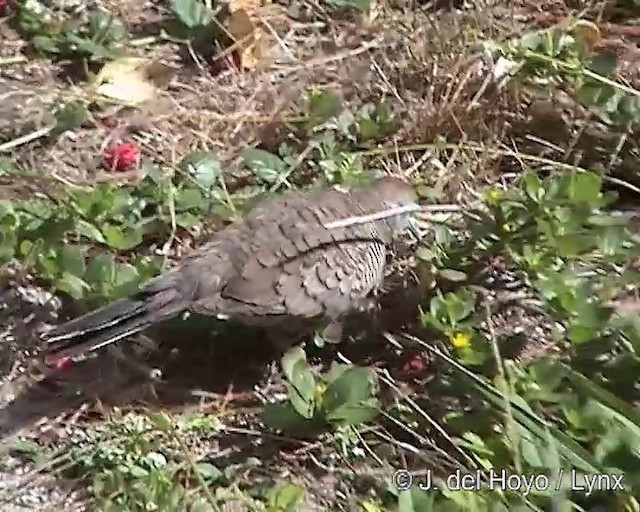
[[279, 263]]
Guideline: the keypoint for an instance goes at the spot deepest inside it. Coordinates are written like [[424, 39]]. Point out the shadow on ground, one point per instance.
[[200, 360]]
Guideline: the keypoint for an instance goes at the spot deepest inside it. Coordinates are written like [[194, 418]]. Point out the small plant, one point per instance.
[[132, 464], [569, 252], [97, 39], [343, 396], [564, 57], [72, 240]]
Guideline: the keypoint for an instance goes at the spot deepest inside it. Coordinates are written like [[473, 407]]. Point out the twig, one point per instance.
[[16, 59], [363, 219], [24, 139]]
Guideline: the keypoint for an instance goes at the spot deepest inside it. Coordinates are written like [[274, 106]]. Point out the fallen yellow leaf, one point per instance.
[[132, 79]]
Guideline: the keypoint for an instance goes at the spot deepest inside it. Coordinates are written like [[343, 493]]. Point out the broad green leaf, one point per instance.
[[336, 371], [204, 166], [121, 238], [416, 500], [126, 279], [362, 5], [459, 306], [101, 269], [585, 187], [45, 44], [89, 231], [349, 398], [191, 199], [301, 383], [72, 285], [208, 471], [188, 221], [603, 63], [192, 13], [533, 186], [71, 259], [284, 497], [284, 417], [265, 165], [162, 421], [105, 27]]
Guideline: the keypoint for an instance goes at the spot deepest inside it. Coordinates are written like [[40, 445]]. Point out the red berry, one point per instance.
[[415, 363], [59, 363], [120, 156]]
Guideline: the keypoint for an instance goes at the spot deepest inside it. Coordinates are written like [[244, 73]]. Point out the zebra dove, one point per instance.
[[281, 262]]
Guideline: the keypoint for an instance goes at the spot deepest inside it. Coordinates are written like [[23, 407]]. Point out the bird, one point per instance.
[[288, 259]]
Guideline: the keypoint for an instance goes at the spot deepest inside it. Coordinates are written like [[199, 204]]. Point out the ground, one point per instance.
[[495, 341]]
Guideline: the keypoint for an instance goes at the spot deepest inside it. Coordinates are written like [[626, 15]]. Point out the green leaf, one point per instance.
[[191, 199], [105, 27], [192, 13], [533, 186], [71, 259], [89, 231], [265, 165], [585, 187], [70, 116], [362, 5], [284, 417], [301, 383], [284, 497], [188, 221], [624, 411], [603, 64], [348, 399], [45, 44], [121, 238], [72, 285], [322, 106], [161, 421], [204, 166], [574, 453], [416, 500], [459, 305], [126, 279], [101, 269], [208, 471]]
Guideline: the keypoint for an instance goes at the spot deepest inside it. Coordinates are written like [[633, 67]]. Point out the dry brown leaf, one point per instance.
[[132, 80], [247, 37], [587, 33]]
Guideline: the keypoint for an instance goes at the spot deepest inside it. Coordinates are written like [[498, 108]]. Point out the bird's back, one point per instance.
[[286, 263]]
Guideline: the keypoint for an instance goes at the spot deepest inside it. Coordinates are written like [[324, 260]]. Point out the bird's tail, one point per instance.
[[160, 299]]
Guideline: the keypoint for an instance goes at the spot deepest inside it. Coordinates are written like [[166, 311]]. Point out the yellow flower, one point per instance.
[[319, 391], [493, 195], [461, 340]]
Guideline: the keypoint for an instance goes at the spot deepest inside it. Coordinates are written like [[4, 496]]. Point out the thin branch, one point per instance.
[[363, 219]]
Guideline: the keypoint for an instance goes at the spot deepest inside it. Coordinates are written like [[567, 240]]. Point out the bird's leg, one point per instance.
[[153, 374]]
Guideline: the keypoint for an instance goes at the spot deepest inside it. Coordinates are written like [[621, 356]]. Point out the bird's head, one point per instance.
[[399, 199]]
